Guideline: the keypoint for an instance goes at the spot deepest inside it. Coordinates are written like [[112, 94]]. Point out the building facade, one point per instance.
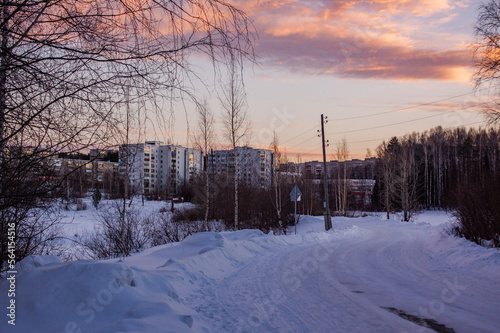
[[77, 176], [255, 166], [359, 169], [158, 170]]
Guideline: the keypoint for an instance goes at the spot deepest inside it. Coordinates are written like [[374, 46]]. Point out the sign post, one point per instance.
[[295, 196]]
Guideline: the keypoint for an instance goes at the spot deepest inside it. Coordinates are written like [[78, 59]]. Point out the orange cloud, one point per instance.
[[364, 59], [391, 39]]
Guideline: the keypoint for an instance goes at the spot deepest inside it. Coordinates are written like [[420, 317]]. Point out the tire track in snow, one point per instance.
[[291, 291], [396, 267], [332, 282]]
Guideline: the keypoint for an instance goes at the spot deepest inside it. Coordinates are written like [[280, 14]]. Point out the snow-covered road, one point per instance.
[[418, 270], [348, 283], [365, 275], [295, 290]]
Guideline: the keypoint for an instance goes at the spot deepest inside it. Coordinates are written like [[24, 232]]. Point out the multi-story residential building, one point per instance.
[[363, 169], [255, 166], [362, 189], [93, 172], [176, 165], [103, 155], [313, 170], [292, 168], [359, 175], [159, 170], [134, 161]]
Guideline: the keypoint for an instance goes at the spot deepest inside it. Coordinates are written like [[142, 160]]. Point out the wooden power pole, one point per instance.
[[328, 220]]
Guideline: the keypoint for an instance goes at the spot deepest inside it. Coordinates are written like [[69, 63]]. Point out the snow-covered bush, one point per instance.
[[118, 233], [30, 231], [187, 214], [169, 227]]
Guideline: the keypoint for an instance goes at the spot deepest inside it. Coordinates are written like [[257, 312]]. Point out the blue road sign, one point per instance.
[[295, 194]]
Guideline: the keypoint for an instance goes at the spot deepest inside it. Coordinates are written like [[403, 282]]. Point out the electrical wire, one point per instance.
[[406, 121], [404, 109], [388, 138], [295, 137], [387, 125], [370, 140]]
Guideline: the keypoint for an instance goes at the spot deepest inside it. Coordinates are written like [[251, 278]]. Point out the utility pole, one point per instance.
[[328, 220]]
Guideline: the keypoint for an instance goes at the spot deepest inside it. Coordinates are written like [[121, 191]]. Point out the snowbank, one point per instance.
[[250, 281]]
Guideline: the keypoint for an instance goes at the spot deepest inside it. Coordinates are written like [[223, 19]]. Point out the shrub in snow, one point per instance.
[[478, 212], [188, 214], [167, 228], [81, 205], [96, 198], [37, 231], [118, 233]]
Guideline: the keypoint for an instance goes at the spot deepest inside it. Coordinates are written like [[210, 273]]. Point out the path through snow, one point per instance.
[[365, 275]]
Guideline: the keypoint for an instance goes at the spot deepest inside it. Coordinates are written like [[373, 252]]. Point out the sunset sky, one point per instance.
[[376, 68]]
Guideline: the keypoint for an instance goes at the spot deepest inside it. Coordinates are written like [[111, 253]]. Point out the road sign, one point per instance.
[[295, 194]]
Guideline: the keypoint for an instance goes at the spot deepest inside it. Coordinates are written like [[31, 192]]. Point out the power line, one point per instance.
[[406, 121], [406, 108], [381, 113], [317, 150], [369, 140], [387, 125], [299, 144], [310, 152], [297, 136]]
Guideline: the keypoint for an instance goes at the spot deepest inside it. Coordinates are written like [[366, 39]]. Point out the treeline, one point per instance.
[[438, 169], [106, 155]]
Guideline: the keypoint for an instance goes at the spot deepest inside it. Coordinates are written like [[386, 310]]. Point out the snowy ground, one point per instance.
[[77, 222], [366, 275]]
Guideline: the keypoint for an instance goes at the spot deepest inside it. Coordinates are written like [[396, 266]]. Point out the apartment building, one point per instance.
[[255, 166], [176, 165], [363, 169], [159, 170]]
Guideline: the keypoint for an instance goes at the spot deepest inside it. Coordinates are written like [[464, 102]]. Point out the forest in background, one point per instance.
[[446, 169]]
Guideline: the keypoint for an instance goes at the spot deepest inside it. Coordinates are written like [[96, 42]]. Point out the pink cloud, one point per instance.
[[361, 39], [363, 59]]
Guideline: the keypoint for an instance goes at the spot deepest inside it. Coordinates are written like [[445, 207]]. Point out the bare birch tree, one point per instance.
[[63, 64], [204, 140], [235, 118], [342, 186], [277, 178], [486, 53]]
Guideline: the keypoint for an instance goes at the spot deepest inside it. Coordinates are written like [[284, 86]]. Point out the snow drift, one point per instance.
[[344, 280]]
